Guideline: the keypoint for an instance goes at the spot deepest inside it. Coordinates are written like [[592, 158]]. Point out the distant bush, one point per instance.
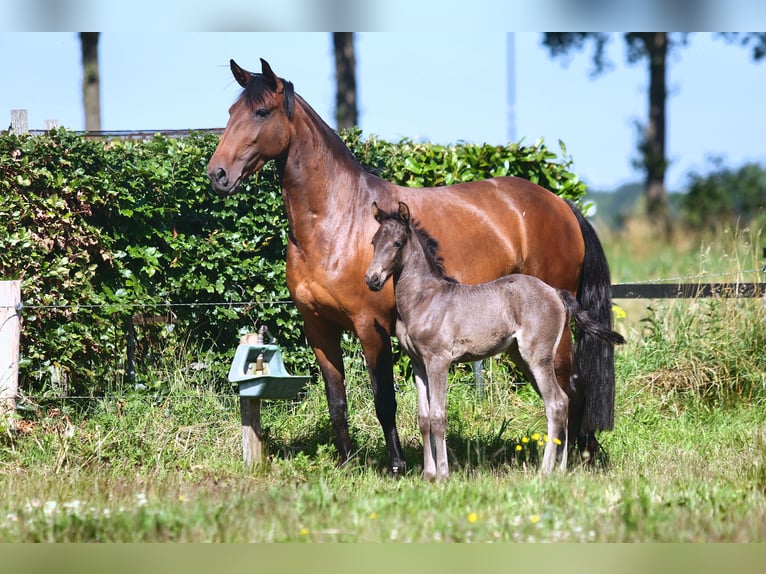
[[103, 231], [725, 196]]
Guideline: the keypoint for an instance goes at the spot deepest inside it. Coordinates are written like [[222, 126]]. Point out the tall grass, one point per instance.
[[686, 460]]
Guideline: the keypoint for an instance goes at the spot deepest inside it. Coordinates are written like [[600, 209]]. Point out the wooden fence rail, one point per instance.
[[687, 290]]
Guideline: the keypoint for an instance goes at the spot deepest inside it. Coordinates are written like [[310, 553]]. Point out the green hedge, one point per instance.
[[100, 231]]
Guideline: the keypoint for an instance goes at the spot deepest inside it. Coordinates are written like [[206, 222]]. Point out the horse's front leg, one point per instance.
[[376, 346], [324, 339]]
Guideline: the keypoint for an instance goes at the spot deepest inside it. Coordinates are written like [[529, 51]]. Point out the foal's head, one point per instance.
[[392, 245], [388, 241]]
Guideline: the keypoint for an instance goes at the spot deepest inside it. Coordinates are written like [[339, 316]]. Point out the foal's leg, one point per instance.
[[424, 420], [556, 404], [539, 358], [438, 370]]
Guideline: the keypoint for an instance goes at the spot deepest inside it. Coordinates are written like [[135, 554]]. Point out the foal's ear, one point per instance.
[[240, 74], [404, 212], [376, 211]]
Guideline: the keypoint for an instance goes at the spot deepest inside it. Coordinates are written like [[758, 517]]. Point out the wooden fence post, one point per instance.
[[10, 332], [253, 450]]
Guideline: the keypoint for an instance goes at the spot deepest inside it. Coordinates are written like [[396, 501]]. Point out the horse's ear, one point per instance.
[[272, 77], [404, 212], [376, 211], [240, 74]]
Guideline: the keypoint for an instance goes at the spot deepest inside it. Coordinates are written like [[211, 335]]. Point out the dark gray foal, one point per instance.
[[441, 321]]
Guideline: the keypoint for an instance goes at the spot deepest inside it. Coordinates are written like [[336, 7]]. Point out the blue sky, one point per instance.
[[422, 85]]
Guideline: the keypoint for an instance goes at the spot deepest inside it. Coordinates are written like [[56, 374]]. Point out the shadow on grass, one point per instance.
[[466, 453]]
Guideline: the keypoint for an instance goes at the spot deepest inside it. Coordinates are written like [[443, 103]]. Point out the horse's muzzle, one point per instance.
[[219, 179]]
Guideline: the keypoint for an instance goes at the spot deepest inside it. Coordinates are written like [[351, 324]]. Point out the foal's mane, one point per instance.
[[429, 244], [259, 86]]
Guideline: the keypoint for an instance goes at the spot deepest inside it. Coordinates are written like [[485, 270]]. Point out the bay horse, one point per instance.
[[506, 225], [440, 321]]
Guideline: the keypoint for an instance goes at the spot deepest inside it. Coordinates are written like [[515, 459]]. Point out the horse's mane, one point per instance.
[[430, 245], [259, 86]]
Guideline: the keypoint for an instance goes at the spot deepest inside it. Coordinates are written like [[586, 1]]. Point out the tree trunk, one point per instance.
[[654, 143], [91, 97], [345, 77]]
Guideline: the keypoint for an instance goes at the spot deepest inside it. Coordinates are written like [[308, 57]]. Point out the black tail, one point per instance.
[[594, 356], [585, 323]]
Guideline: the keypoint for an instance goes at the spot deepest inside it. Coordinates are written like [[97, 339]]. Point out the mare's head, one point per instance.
[[387, 243], [258, 129]]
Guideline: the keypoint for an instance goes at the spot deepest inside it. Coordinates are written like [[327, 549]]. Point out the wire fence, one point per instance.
[[661, 288]]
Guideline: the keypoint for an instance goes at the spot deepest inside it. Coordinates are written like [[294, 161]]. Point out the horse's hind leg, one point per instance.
[[376, 346], [572, 385], [584, 445]]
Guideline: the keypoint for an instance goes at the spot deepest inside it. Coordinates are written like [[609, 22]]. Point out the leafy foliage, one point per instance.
[[110, 236], [725, 196]]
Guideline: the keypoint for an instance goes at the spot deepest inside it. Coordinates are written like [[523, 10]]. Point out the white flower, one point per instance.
[[72, 506], [49, 509]]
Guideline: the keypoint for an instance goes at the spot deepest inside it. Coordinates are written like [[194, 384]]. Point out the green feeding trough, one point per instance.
[[258, 371]]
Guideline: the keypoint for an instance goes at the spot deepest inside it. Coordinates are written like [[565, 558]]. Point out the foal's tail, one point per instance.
[[585, 323], [594, 356]]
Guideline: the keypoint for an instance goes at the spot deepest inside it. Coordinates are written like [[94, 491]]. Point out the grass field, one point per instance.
[[686, 460]]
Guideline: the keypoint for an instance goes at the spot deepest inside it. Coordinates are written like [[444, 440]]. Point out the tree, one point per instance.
[[725, 196], [346, 115], [91, 88], [654, 47]]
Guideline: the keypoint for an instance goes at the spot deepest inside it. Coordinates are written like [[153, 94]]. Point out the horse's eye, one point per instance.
[[261, 113], [398, 244]]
